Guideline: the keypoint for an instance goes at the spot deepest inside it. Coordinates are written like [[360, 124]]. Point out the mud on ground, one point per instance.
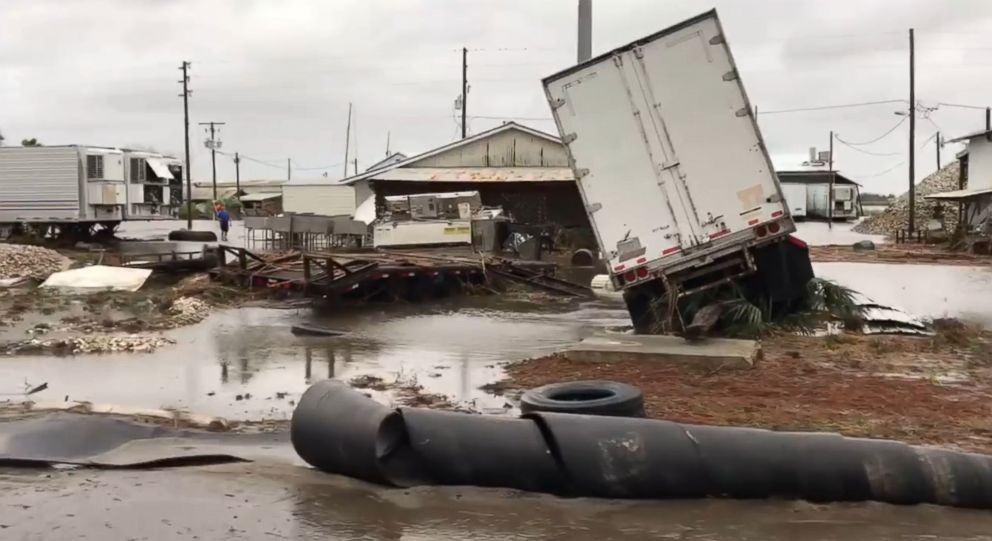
[[914, 254], [920, 390]]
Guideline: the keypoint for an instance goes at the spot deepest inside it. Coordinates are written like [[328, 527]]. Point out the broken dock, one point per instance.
[[383, 274]]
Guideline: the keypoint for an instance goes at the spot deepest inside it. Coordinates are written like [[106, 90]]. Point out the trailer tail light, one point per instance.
[[642, 273], [777, 213], [797, 242], [629, 276], [774, 228], [760, 231]]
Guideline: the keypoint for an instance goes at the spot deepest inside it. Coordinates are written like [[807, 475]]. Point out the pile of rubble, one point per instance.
[[187, 311], [92, 343], [896, 217], [17, 260]]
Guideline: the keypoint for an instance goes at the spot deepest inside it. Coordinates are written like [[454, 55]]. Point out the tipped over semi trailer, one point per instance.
[[675, 177]]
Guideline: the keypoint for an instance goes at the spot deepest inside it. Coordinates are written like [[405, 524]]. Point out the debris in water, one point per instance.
[[17, 260]]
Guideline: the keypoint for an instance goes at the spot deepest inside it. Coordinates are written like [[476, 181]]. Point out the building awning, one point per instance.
[[476, 174], [260, 196], [160, 168], [959, 195]]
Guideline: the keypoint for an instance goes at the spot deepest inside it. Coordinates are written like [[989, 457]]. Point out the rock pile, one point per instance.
[[187, 311], [896, 217], [93, 343], [18, 260]]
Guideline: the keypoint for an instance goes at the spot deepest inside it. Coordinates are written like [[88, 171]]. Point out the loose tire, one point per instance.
[[607, 398], [193, 236]]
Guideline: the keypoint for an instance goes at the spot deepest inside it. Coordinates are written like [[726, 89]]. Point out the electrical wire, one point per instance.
[[896, 166], [875, 140], [827, 107], [962, 106], [863, 151]]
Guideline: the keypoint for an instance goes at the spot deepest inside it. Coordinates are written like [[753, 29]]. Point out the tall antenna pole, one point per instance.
[[237, 175], [585, 30], [189, 184], [464, 90], [830, 213], [387, 144], [938, 151], [347, 140], [289, 169], [912, 133]]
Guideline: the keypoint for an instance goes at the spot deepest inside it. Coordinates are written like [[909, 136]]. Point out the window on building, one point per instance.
[[94, 167], [138, 170]]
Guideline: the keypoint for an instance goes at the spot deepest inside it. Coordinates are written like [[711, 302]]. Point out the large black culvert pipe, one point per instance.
[[338, 430]]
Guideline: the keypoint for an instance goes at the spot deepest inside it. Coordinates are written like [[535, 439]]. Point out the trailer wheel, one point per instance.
[[607, 398], [648, 308]]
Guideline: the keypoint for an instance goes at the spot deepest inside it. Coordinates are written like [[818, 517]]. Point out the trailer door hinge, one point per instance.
[[593, 207], [581, 173], [730, 75], [638, 52], [557, 104], [568, 138], [743, 112], [717, 39]]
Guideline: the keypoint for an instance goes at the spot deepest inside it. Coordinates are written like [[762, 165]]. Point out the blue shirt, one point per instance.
[[223, 217]]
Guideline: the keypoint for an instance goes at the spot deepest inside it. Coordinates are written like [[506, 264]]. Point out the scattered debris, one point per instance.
[[91, 343], [863, 245], [896, 216], [98, 278], [178, 418], [23, 260], [368, 381], [187, 311]]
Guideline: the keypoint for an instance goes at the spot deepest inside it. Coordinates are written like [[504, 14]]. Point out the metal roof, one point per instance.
[[260, 196], [959, 194], [978, 133], [478, 174], [377, 173], [807, 176]]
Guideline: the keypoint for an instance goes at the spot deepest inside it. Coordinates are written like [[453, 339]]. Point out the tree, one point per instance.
[[32, 142]]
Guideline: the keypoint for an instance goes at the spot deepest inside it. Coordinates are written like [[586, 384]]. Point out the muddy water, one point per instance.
[[275, 500], [451, 348]]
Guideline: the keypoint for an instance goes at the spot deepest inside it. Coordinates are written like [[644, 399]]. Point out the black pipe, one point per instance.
[[339, 430]]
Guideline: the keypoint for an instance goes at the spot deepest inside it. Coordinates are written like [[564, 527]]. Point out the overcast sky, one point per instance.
[[281, 74]]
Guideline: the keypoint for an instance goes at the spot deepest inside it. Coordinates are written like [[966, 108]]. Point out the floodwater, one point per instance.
[[929, 291], [826, 234], [451, 347]]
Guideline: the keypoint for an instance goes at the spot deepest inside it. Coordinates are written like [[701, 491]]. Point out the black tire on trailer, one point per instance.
[[646, 305], [607, 398], [193, 236]]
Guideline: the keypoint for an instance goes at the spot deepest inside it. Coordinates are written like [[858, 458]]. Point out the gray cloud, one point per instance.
[[281, 74]]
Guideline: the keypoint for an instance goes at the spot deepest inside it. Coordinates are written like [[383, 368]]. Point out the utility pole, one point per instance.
[[387, 144], [912, 133], [938, 151], [289, 169], [237, 175], [213, 144], [830, 160], [347, 140], [585, 31], [464, 90], [356, 166], [189, 184]]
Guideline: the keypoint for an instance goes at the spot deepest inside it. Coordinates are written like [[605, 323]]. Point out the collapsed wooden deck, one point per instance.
[[379, 273]]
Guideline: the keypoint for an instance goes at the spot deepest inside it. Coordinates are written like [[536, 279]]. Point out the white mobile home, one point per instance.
[[318, 197], [814, 185], [151, 180]]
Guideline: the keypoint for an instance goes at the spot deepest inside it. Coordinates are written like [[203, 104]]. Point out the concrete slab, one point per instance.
[[710, 354]]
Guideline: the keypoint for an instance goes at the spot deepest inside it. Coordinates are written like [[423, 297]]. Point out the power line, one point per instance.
[[863, 151], [826, 107], [877, 139], [896, 166], [982, 107]]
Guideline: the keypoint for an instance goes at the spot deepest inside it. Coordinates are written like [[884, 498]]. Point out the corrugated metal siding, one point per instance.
[[512, 148], [324, 200], [39, 183]]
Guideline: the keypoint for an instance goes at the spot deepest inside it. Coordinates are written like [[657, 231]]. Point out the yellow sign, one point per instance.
[[458, 230]]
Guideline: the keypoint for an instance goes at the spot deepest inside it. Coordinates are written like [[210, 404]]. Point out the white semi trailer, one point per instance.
[[62, 185], [676, 179]]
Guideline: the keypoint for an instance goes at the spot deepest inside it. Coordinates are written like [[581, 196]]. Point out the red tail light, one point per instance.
[[774, 228], [642, 273], [760, 231], [630, 276]]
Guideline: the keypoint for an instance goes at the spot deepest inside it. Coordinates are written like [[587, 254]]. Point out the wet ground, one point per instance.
[[276, 497]]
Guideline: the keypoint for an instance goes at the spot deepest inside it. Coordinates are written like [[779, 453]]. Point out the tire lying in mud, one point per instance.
[[193, 236], [607, 398]]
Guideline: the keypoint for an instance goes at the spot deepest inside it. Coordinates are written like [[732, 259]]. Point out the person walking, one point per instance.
[[225, 221]]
